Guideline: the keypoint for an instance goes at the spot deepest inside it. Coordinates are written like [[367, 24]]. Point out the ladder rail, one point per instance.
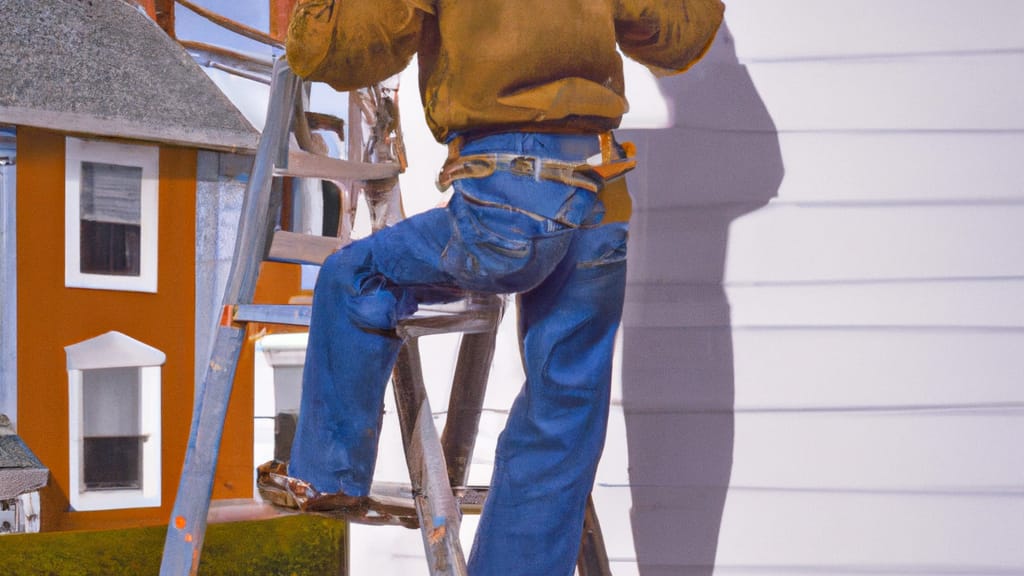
[[187, 528], [438, 466], [438, 513]]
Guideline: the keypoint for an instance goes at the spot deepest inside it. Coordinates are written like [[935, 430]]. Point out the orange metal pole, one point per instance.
[[280, 15], [149, 7], [164, 15]]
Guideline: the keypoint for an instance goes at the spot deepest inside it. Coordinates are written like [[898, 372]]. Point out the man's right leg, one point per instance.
[[361, 293], [348, 363]]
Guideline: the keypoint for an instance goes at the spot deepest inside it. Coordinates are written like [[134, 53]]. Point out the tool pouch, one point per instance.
[[616, 160]]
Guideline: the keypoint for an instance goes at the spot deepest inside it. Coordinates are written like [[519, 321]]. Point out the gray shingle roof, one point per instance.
[[20, 470], [102, 67]]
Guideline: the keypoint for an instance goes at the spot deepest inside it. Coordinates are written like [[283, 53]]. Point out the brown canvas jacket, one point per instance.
[[497, 64]]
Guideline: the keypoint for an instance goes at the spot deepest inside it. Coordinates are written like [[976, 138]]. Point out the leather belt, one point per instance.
[[614, 161], [483, 165], [601, 175]]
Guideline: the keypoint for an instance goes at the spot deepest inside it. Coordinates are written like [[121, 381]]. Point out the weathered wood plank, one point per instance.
[[302, 248], [306, 165]]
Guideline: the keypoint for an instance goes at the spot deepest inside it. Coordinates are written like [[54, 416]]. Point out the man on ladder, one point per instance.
[[524, 93]]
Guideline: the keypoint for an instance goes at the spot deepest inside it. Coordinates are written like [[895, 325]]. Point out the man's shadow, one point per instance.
[[719, 161]]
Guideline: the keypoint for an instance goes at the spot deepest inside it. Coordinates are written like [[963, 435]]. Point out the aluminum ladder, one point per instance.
[[438, 464]]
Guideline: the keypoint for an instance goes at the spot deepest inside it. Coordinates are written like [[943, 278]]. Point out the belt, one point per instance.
[[614, 162], [483, 165]]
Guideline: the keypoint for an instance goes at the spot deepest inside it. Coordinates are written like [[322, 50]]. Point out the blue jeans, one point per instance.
[[504, 233]]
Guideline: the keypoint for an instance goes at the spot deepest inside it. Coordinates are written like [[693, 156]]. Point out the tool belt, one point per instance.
[[614, 162], [602, 175]]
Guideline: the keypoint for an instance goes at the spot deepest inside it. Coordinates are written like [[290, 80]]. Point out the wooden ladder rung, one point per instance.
[[427, 322], [329, 122], [305, 165], [298, 248], [399, 497]]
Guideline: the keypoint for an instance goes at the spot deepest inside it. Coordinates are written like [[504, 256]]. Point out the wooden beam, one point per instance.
[[150, 7], [163, 13], [280, 16], [228, 24], [305, 165]]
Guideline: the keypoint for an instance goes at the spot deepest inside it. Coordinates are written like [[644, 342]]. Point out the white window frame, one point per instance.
[[148, 159], [116, 350]]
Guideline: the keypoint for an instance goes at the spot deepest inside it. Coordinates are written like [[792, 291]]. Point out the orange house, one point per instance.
[[128, 164]]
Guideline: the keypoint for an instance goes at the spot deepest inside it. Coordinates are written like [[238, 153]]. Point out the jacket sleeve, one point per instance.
[[668, 36], [354, 43]]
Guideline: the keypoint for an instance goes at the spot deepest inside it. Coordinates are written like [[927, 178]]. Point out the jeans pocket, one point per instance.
[[604, 246], [497, 248]]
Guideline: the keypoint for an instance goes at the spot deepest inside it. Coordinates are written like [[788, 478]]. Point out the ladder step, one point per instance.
[[426, 322], [399, 497], [288, 314], [429, 322], [298, 248], [305, 165], [320, 121]]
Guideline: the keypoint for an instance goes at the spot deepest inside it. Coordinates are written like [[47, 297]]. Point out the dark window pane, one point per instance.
[[110, 219], [113, 249], [113, 462]]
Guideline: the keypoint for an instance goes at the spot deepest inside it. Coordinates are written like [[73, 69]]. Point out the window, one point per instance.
[[114, 423], [111, 429], [111, 215]]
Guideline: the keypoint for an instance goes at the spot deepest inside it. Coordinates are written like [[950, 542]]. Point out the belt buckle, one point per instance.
[[524, 166]]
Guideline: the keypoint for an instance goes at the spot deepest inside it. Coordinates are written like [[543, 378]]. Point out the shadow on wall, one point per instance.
[[719, 161]]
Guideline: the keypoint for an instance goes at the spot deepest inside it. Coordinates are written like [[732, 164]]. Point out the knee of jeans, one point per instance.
[[350, 276]]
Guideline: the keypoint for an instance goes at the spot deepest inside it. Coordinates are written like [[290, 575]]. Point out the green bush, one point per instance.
[[286, 546]]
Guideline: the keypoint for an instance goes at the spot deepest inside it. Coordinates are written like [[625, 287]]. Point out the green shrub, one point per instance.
[[286, 546]]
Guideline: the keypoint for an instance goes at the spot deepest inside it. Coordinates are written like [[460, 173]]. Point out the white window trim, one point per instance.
[[109, 350], [145, 157]]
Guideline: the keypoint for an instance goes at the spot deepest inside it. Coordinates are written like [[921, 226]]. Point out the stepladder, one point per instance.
[[438, 463]]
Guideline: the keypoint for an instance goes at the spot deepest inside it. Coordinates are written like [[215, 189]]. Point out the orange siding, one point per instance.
[[52, 316], [277, 283]]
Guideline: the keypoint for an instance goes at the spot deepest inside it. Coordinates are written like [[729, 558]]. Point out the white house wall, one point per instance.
[[822, 368]]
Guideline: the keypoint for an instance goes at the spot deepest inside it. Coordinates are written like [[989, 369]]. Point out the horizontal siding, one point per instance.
[[821, 367], [794, 244], [831, 168], [877, 370], [857, 533], [806, 29], [787, 371], [921, 93], [996, 304], [935, 93], [800, 244], [902, 168], [905, 452]]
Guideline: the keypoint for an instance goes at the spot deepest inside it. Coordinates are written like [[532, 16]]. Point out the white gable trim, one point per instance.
[[112, 350]]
